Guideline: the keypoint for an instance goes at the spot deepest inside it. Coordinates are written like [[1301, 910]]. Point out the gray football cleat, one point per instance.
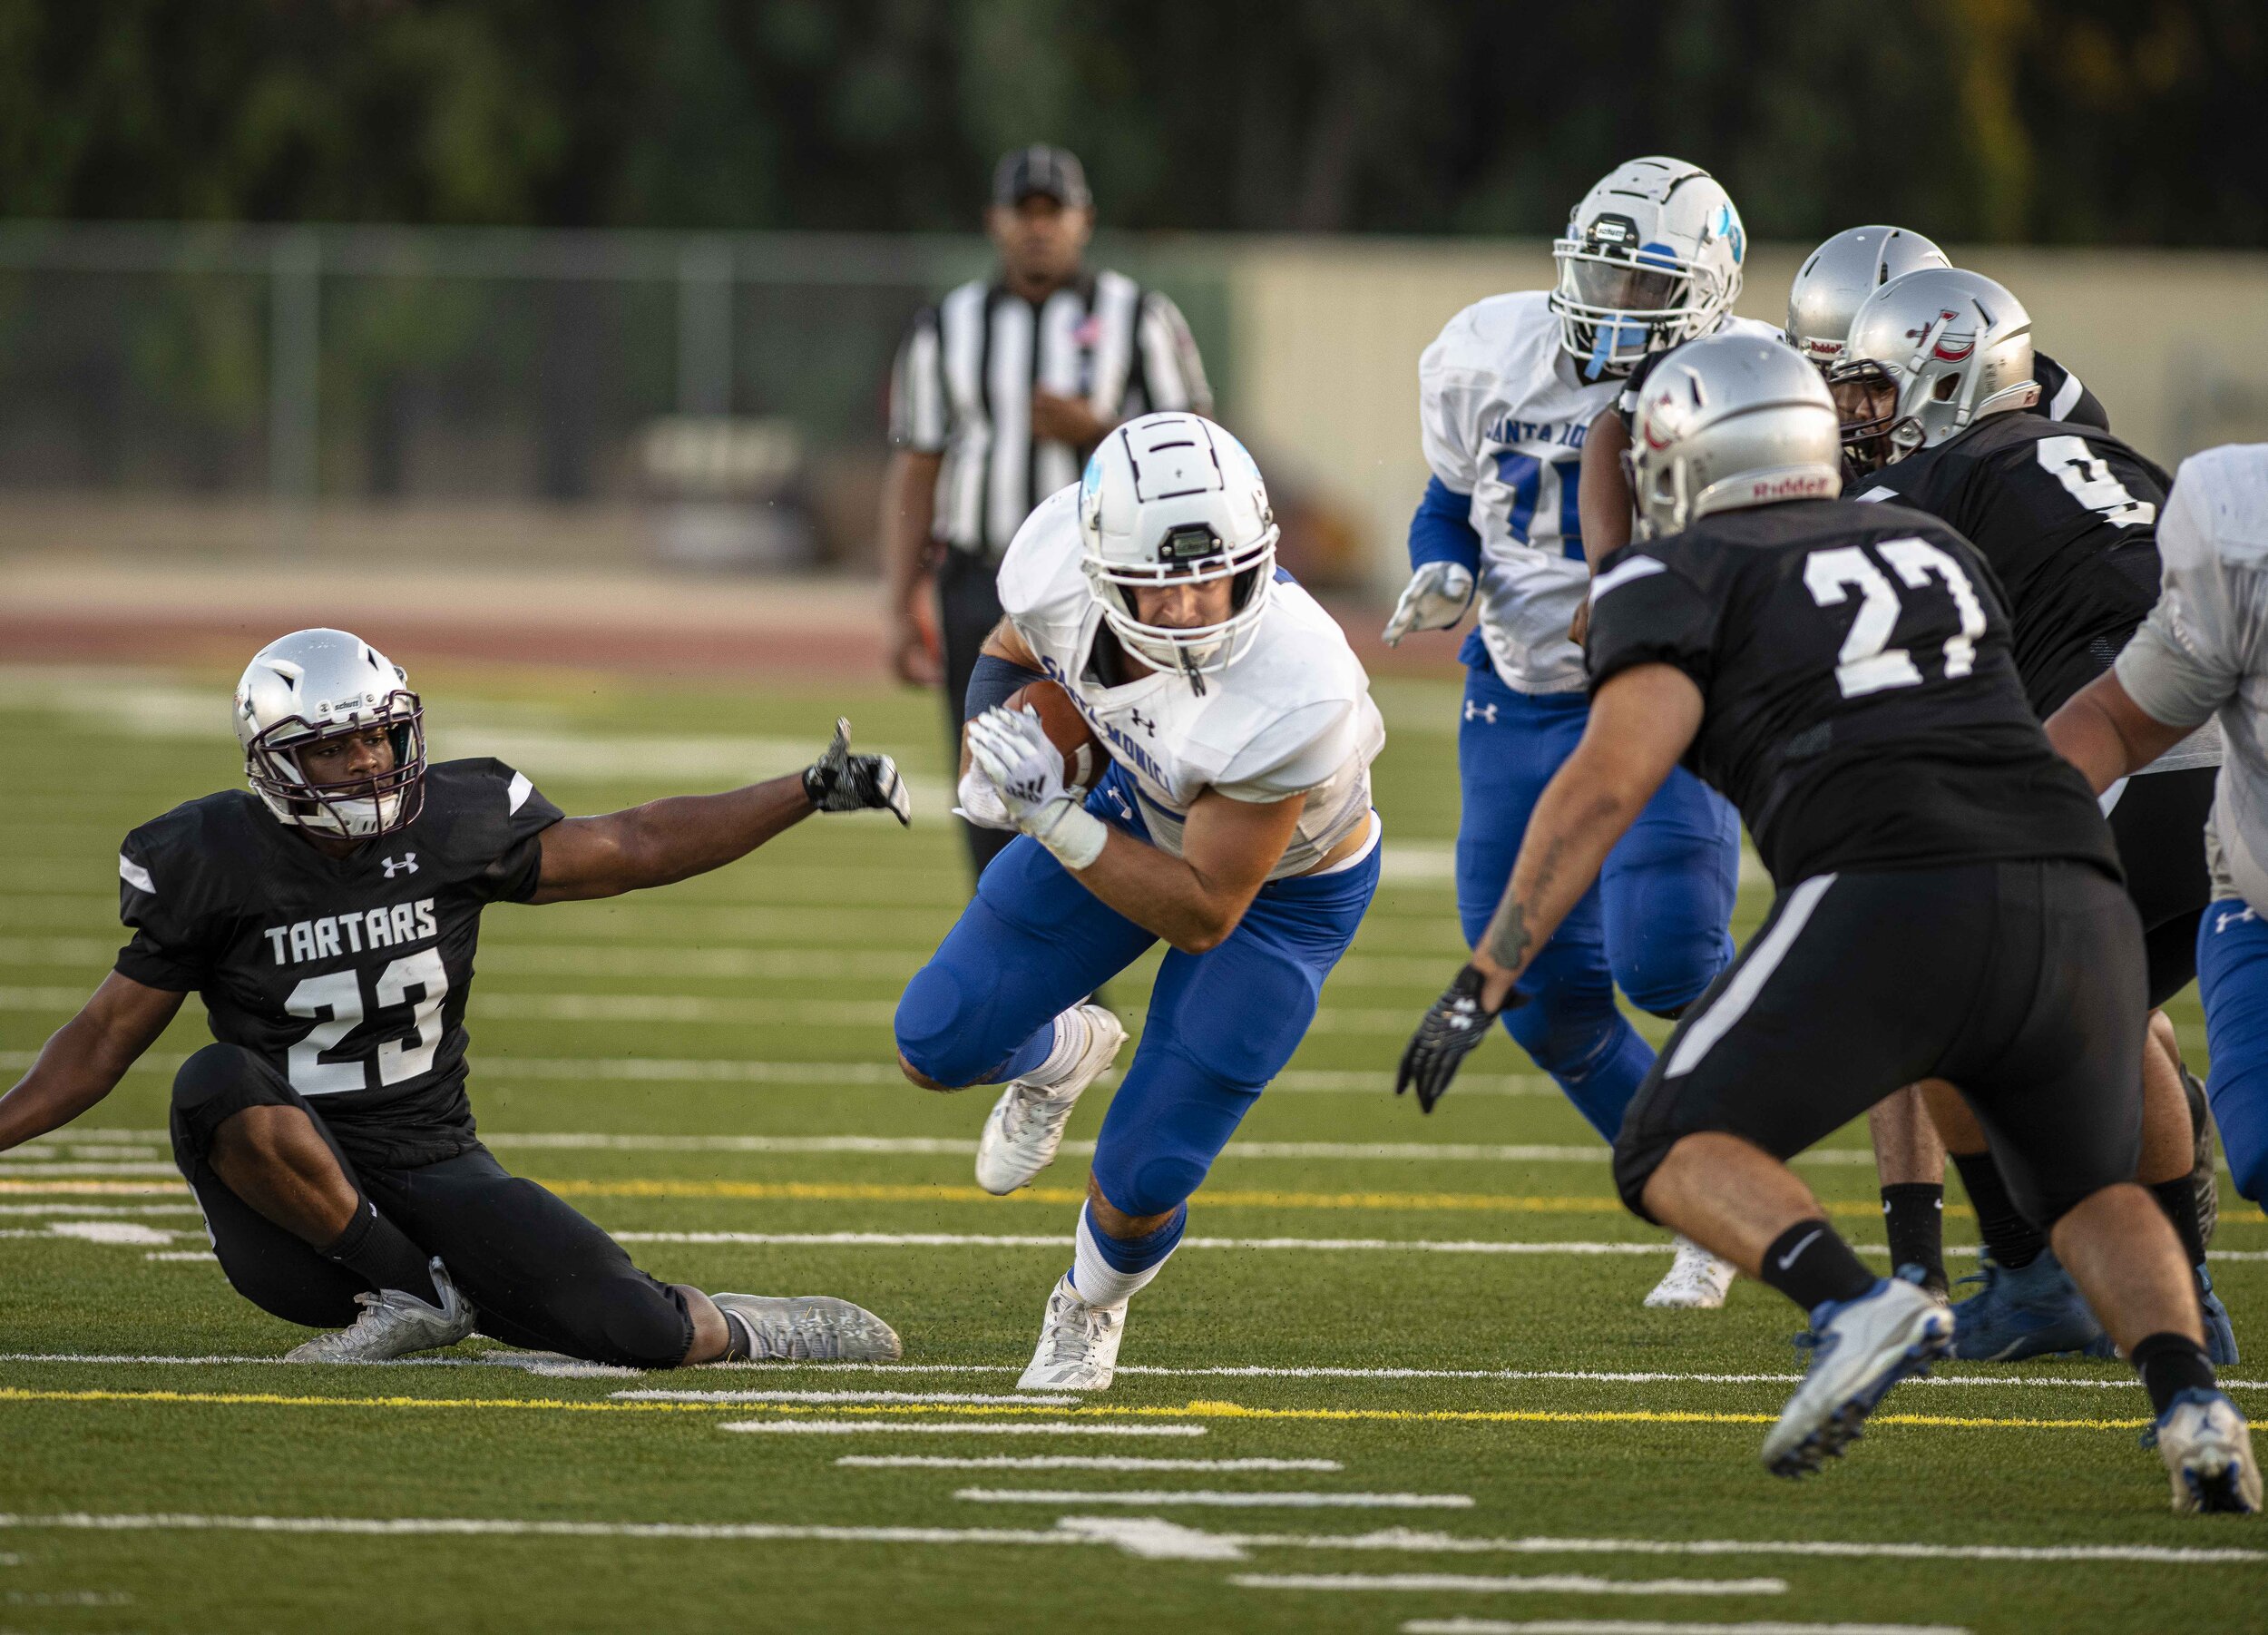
[[2208, 1453], [1078, 1344], [393, 1324], [2204, 1175], [1025, 1126], [1695, 1281], [812, 1329], [1861, 1349]]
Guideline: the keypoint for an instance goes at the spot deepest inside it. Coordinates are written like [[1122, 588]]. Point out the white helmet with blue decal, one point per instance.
[[1173, 499], [1652, 257]]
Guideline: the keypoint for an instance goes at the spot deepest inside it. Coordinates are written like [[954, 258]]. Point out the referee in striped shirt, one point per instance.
[[1000, 392]]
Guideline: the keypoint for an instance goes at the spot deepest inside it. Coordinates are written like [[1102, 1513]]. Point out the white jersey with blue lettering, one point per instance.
[[1291, 715], [1502, 413]]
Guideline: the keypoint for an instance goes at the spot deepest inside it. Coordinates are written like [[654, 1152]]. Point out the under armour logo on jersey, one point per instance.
[[2222, 922], [406, 864], [1147, 724], [1479, 713]]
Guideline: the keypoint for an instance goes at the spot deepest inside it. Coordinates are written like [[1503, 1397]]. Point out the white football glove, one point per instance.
[[1435, 598], [1023, 768], [981, 803]]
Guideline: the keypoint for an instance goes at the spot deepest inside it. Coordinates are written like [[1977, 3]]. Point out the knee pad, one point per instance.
[[934, 1027], [1564, 1034], [216, 1083], [1166, 1126], [1665, 966]]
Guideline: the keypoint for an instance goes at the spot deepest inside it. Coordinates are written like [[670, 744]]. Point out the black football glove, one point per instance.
[[1457, 1022], [839, 781]]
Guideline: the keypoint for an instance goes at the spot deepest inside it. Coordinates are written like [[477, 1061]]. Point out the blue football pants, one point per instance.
[[1654, 925], [2233, 984], [1221, 1025]]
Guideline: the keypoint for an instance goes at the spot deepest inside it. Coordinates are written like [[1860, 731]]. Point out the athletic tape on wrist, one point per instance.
[[1073, 834]]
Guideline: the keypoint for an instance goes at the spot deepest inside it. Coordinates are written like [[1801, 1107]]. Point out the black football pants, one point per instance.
[[539, 1275], [2020, 983]]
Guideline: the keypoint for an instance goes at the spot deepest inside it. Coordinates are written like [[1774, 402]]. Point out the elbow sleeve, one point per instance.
[[993, 682], [1442, 530]]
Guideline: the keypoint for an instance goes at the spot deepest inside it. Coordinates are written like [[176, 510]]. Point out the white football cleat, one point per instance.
[[812, 1329], [1697, 1280], [1078, 1344], [1863, 1347], [1026, 1124], [393, 1324], [2208, 1452]]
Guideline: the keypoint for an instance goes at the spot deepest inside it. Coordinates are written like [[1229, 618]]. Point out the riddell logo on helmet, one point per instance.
[[1801, 487]]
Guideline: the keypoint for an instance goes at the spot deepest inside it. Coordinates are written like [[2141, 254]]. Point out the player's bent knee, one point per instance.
[[1559, 1037], [937, 1047], [1156, 1186]]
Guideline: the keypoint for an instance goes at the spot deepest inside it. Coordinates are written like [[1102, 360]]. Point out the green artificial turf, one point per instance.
[[756, 1003]]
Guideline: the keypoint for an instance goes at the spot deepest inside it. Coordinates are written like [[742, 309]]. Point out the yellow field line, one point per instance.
[[1193, 1410], [1228, 1196]]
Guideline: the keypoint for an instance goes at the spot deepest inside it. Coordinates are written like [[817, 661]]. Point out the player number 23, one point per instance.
[[1868, 663], [335, 1002]]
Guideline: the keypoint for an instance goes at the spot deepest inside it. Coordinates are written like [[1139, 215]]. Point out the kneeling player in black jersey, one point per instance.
[[1949, 902], [327, 918], [1936, 374]]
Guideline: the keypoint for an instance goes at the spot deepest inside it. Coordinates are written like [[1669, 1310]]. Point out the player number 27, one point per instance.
[[1867, 663], [335, 1002]]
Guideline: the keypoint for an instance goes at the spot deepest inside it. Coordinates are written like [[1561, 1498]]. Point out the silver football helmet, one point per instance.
[[318, 684], [1170, 498], [1936, 351], [1728, 422], [1842, 273], [1652, 257]]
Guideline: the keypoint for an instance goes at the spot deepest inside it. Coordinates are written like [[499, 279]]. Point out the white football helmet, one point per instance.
[[1729, 422], [1955, 347], [1651, 257], [1173, 499], [1842, 273], [318, 684]]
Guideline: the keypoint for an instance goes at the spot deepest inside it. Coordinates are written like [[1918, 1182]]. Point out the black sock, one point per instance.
[[2009, 1239], [739, 1338], [1810, 1265], [2178, 1199], [1914, 1218], [2169, 1364], [372, 1246]]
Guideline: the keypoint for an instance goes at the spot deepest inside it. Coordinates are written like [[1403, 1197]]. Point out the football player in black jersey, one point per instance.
[[1843, 674], [1936, 367], [328, 917]]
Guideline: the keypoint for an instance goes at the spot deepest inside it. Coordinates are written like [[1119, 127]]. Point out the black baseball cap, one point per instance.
[[1040, 169]]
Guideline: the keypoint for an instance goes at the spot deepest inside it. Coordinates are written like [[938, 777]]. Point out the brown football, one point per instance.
[[1084, 757]]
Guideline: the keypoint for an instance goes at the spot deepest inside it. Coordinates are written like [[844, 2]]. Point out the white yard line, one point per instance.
[[1022, 1241], [962, 1398], [1623, 1626], [1072, 1462], [538, 1361], [1213, 1499], [1554, 1583], [642, 1070], [973, 1427], [413, 1526]]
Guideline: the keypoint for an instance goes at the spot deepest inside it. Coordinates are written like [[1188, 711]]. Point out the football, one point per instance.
[[1084, 757]]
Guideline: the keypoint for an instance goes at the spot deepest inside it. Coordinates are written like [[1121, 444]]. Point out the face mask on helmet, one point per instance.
[[1874, 432], [1651, 258], [348, 807], [1189, 555]]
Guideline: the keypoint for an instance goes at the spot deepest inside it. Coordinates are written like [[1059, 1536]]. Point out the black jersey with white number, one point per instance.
[[2066, 516], [1861, 707], [349, 974]]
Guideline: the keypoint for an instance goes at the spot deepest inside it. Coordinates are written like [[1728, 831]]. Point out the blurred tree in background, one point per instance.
[[2085, 121]]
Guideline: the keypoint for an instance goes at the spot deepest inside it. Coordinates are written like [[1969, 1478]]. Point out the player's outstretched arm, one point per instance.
[[1194, 901], [2101, 731], [83, 1060], [674, 839], [1641, 721]]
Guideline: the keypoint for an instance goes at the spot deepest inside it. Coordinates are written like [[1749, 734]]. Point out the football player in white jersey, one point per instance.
[[1234, 823], [1508, 395]]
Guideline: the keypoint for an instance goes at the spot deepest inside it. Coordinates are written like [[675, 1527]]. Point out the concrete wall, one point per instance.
[[1327, 333]]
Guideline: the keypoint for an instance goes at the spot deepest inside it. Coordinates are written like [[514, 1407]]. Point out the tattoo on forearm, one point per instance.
[[1508, 939]]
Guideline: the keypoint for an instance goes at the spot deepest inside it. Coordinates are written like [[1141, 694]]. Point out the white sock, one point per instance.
[[1098, 1281], [1072, 1036]]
